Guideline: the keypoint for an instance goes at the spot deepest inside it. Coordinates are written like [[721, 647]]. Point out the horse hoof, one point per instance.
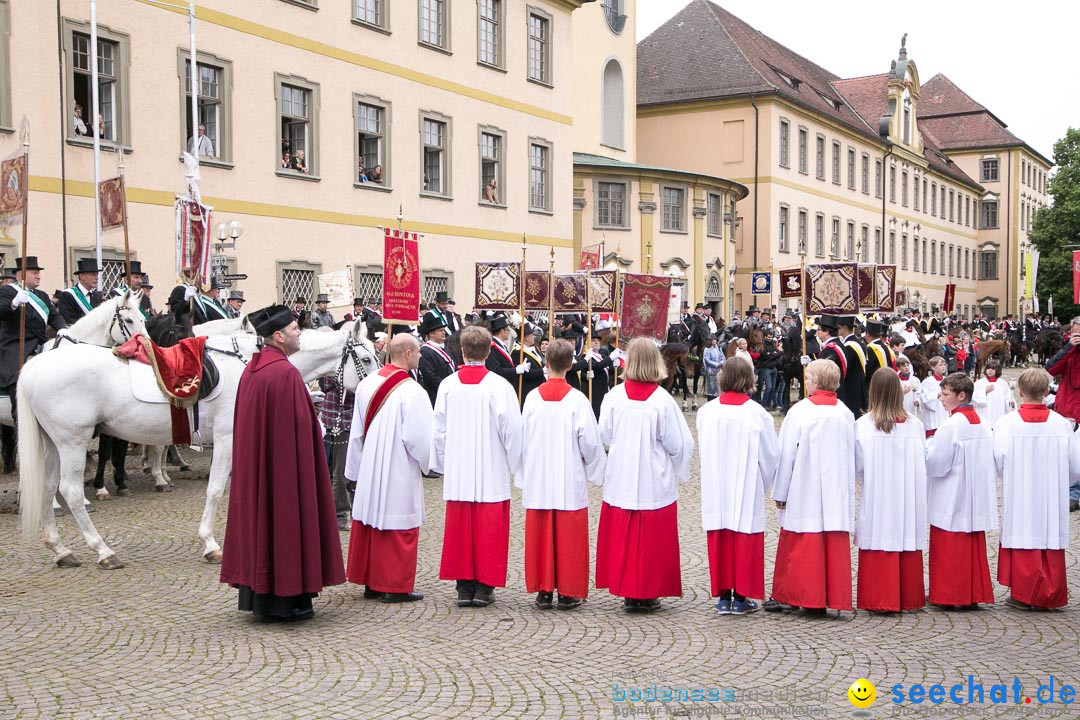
[[68, 561], [110, 563], [163, 488], [102, 494], [213, 557]]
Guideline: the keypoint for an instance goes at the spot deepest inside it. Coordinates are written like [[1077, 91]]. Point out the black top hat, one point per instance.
[[136, 268], [499, 322], [442, 296], [699, 306], [875, 327], [846, 320], [322, 297], [828, 322], [358, 301], [431, 323], [398, 329], [9, 274], [234, 295], [753, 309], [146, 282], [270, 319], [215, 283], [87, 265], [30, 264], [301, 300]]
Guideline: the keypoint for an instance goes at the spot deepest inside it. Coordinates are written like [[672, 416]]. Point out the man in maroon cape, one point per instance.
[[281, 542]]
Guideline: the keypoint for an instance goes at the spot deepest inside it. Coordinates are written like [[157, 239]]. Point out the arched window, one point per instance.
[[611, 130], [712, 287]]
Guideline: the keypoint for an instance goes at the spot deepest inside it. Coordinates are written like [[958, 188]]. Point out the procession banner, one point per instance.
[[602, 291], [901, 298], [13, 177], [950, 298], [761, 283], [401, 276], [832, 288], [1076, 277], [791, 284], [113, 203], [498, 286], [193, 241], [886, 288], [338, 286], [537, 289], [867, 277], [590, 258], [643, 301], [568, 293]]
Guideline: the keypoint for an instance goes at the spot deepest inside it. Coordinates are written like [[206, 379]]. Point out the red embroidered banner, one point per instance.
[[602, 290], [12, 187], [590, 258], [886, 288], [537, 289], [950, 298], [867, 277], [401, 276], [791, 283], [1076, 277], [498, 286], [113, 203], [901, 298], [193, 241], [568, 293], [832, 289], [644, 305]]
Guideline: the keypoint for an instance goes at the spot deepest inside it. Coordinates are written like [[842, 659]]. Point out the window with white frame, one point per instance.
[[113, 54], [819, 165], [490, 32], [783, 234], [539, 49], [941, 262], [214, 107], [611, 204], [435, 143], [785, 140], [967, 263], [674, 209], [435, 23], [866, 174], [878, 257], [933, 199], [715, 215], [892, 183], [492, 180], [988, 264], [372, 141], [851, 168], [371, 12], [933, 257], [819, 235], [924, 186], [942, 205], [892, 247], [967, 210], [803, 139], [836, 163], [952, 203], [297, 115], [950, 261], [539, 175]]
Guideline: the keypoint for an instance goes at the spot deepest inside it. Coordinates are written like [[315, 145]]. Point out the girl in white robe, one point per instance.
[[993, 398], [933, 412], [890, 530], [909, 384]]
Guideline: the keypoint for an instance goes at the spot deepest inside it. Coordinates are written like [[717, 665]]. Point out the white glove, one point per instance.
[[21, 298], [590, 374], [63, 332], [523, 368], [317, 396], [189, 292], [804, 360], [594, 356]]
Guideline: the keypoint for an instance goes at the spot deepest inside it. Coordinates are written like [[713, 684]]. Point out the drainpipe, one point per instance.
[[1008, 228], [884, 172], [63, 137], [756, 193]]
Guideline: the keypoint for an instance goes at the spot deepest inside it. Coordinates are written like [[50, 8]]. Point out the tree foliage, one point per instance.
[[1055, 229]]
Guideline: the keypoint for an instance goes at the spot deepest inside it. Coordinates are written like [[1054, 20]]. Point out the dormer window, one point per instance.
[[907, 121], [790, 81], [831, 102]]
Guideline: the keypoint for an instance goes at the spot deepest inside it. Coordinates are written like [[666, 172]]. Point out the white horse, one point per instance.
[[53, 439]]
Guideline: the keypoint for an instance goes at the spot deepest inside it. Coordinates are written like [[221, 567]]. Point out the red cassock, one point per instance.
[[959, 571], [282, 537], [891, 581], [737, 561], [813, 569], [384, 560], [637, 552], [557, 551], [476, 541], [1036, 577]]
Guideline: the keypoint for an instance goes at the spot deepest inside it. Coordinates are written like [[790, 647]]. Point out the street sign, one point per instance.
[[235, 276], [219, 260], [224, 284]]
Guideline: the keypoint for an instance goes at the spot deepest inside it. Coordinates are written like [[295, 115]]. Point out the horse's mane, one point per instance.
[[96, 322], [316, 340], [224, 327]]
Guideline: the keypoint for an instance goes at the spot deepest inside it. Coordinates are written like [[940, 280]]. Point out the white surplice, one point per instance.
[[961, 477], [649, 449], [563, 454], [910, 397], [992, 405], [387, 463], [477, 438], [739, 452], [1035, 461], [933, 412], [891, 467], [816, 472]]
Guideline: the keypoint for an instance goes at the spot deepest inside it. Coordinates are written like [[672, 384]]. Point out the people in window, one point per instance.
[[299, 165], [77, 122], [206, 145], [375, 174], [286, 160], [362, 173], [491, 193]]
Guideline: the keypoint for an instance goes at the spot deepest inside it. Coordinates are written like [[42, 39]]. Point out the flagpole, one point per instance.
[[195, 85], [618, 321], [588, 324], [25, 222], [123, 200], [521, 304], [551, 297], [95, 111], [805, 315]]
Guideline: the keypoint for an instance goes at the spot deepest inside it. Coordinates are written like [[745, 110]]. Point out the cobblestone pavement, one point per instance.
[[161, 638]]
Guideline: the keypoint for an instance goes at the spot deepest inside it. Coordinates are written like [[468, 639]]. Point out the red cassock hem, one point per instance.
[[476, 541], [890, 581], [813, 570], [637, 552], [557, 551], [959, 571], [384, 560], [737, 562], [1036, 577]]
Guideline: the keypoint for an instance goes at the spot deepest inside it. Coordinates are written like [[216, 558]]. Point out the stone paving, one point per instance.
[[161, 638]]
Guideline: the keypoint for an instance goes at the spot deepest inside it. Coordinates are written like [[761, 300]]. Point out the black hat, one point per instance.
[[57, 293], [450, 301], [87, 265], [215, 283], [136, 268], [9, 274], [753, 309], [699, 306], [234, 295], [828, 322], [398, 329], [442, 296], [322, 297], [300, 299], [358, 301], [30, 264], [846, 321], [431, 323], [499, 322], [146, 282], [875, 327], [270, 319]]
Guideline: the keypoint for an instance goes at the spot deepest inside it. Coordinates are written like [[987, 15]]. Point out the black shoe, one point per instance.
[[402, 597], [775, 606], [815, 611], [650, 605], [483, 597], [370, 594], [631, 605], [464, 598], [543, 600], [295, 617], [569, 603]]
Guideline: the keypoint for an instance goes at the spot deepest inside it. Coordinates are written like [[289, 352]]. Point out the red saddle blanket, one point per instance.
[[178, 369]]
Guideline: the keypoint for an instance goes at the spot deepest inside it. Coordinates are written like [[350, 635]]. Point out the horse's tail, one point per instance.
[[33, 492]]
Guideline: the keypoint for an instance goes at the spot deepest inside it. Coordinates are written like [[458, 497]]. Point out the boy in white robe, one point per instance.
[[962, 500], [562, 458], [890, 530], [815, 487], [739, 452], [933, 412], [649, 450], [388, 453], [477, 446], [992, 397], [1036, 452], [909, 384]]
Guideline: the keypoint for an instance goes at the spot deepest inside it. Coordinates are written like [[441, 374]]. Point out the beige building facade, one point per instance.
[[444, 96]]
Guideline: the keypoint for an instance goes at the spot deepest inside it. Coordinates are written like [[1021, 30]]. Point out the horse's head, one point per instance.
[[127, 317], [345, 354]]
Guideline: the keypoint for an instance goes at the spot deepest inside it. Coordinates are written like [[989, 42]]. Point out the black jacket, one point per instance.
[[9, 331], [72, 310], [433, 370]]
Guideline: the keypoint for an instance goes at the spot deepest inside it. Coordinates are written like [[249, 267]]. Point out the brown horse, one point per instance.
[[676, 364], [989, 349]]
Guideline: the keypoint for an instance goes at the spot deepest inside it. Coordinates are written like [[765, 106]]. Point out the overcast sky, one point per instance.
[[1016, 58]]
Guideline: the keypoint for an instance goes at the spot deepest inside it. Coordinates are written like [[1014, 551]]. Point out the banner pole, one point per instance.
[[521, 304], [551, 297], [588, 324], [618, 321], [25, 222]]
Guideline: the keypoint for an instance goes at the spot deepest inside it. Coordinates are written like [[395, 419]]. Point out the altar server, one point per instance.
[[992, 397], [933, 412]]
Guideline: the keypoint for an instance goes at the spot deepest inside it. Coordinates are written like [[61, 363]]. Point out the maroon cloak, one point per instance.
[[282, 536]]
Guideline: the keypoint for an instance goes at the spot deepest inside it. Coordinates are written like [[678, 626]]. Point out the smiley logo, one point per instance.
[[862, 693]]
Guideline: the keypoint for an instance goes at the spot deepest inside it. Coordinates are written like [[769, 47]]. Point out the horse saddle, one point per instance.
[[146, 386]]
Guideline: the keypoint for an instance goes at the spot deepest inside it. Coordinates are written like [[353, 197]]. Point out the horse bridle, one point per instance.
[[118, 320], [347, 353]]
